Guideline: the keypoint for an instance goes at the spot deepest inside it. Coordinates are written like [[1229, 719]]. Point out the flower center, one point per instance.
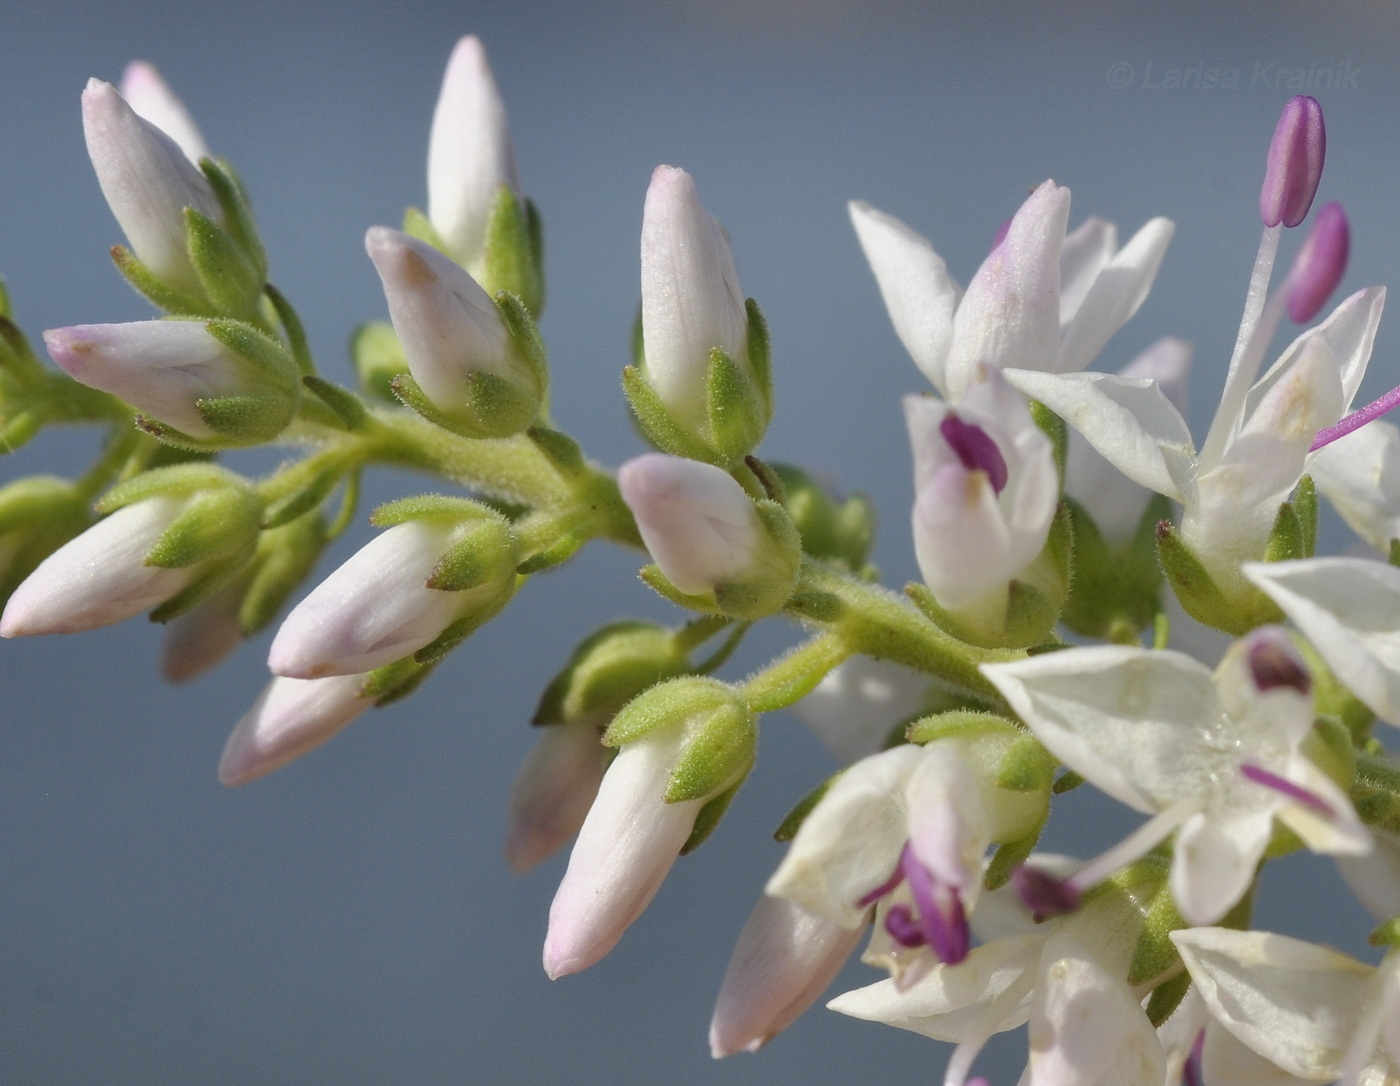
[[975, 448], [938, 919]]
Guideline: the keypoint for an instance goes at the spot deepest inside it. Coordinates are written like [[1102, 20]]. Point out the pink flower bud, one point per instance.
[[290, 717], [148, 183], [147, 93], [553, 791], [469, 155], [1320, 264], [1294, 165]]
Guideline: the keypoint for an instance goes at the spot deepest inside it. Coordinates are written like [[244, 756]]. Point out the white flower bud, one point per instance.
[[290, 718], [101, 577], [469, 155], [166, 369], [448, 325], [691, 301], [148, 183], [376, 608], [553, 792], [624, 850], [147, 93], [697, 522]]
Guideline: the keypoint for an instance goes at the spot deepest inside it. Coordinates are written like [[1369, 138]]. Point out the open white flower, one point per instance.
[[1214, 757], [1041, 300], [1313, 1012], [1360, 475]]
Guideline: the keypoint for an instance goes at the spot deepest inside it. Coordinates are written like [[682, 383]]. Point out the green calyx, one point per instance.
[[1201, 597], [609, 669]]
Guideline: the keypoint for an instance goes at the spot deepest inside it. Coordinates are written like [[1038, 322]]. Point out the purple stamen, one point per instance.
[[1044, 894], [1193, 1073], [889, 884], [1357, 419], [1320, 263], [941, 913], [1294, 165], [976, 450], [1273, 665], [903, 928], [1310, 800]]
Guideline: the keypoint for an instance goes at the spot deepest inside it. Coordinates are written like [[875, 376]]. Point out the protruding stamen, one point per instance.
[[1044, 894], [1136, 845], [1272, 663], [1320, 264], [1357, 419], [1310, 800], [941, 913], [975, 448], [904, 929], [1294, 166]]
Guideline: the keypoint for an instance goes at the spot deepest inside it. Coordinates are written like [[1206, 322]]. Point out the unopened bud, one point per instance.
[[1294, 165], [153, 100], [290, 717]]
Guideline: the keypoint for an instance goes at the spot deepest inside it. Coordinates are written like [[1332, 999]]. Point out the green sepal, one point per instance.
[[17, 358], [960, 724], [392, 681], [1393, 556], [467, 625], [1388, 934], [39, 514], [231, 282], [1029, 617], [238, 214], [177, 480], [1113, 592], [511, 263], [1067, 781], [481, 552], [302, 501], [562, 451], [348, 407], [379, 358], [1199, 595], [781, 560], [608, 669], [245, 420], [6, 313], [655, 422], [1305, 502], [285, 557], [673, 701], [214, 524], [429, 507], [417, 225], [18, 430], [292, 328], [734, 407], [840, 533], [207, 585], [155, 290], [1026, 767], [494, 407], [1053, 427], [1166, 997], [1286, 541], [659, 583], [718, 749], [555, 554], [637, 342], [709, 817], [1329, 747], [1008, 856], [760, 353], [792, 822]]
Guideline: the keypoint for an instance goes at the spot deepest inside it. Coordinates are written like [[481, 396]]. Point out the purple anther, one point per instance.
[[903, 928], [1294, 165], [976, 450], [1310, 800], [1272, 663], [1044, 894], [1357, 419], [1193, 1073], [941, 914], [1320, 264]]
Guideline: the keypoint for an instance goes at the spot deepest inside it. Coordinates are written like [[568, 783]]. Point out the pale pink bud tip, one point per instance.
[[1294, 165], [1320, 264]]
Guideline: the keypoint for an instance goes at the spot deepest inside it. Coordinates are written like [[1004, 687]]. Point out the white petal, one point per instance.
[[1225, 1059], [1360, 475], [1117, 292], [290, 718], [851, 841], [1010, 315], [1292, 1002], [1375, 879], [1349, 333], [627, 845], [1342, 832], [1130, 721], [1214, 861], [914, 282], [1349, 608], [153, 100], [553, 791], [1087, 248], [853, 709], [1127, 421]]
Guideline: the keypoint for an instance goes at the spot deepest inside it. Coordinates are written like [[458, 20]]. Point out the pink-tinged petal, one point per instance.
[[691, 300], [290, 718], [469, 155], [914, 283], [553, 792], [100, 577], [624, 851], [202, 638], [1010, 315], [696, 521], [783, 961], [153, 100]]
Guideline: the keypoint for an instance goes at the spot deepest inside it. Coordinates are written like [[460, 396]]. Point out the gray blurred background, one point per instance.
[[350, 919]]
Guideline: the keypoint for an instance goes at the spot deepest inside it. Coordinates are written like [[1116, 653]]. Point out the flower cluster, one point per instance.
[[1033, 656]]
